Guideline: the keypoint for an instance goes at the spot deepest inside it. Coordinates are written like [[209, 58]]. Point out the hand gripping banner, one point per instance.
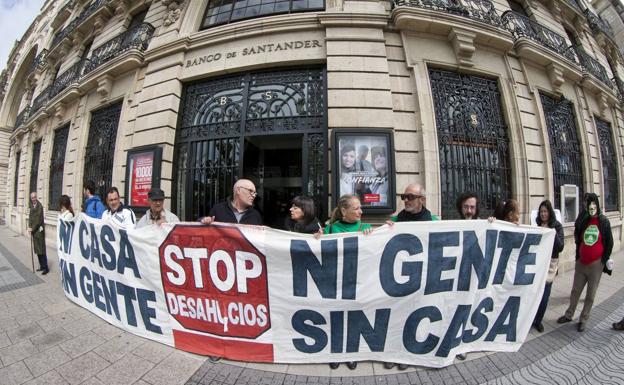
[[413, 293]]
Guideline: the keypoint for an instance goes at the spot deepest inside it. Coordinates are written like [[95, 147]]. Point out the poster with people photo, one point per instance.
[[364, 164]]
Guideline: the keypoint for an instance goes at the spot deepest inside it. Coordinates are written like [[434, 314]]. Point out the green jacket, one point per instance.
[[35, 222], [344, 227]]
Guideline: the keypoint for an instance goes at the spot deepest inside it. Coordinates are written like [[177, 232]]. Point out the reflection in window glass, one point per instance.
[[226, 11]]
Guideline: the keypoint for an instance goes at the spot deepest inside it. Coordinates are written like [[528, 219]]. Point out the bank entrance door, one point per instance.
[[269, 127]]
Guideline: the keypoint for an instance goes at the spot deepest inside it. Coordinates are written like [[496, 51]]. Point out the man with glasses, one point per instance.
[[414, 200], [415, 211], [468, 206], [237, 210]]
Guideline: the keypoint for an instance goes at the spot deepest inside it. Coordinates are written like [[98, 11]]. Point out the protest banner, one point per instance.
[[414, 293]]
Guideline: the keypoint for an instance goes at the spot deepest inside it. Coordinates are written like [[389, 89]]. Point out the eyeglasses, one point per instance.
[[410, 197], [251, 192]]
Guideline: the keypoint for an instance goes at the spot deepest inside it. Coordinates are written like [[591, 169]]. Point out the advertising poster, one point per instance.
[[141, 169], [364, 168]]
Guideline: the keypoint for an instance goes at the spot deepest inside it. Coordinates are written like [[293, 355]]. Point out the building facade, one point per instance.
[[518, 98]]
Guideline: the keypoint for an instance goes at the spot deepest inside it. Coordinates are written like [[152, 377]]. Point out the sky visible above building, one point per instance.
[[15, 18]]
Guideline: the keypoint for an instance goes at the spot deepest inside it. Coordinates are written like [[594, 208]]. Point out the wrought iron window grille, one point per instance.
[[609, 165], [137, 37], [100, 150], [565, 148], [34, 166], [57, 166], [479, 10], [18, 156], [472, 139]]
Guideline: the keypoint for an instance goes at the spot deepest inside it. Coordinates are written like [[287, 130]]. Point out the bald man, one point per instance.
[[414, 199], [239, 209]]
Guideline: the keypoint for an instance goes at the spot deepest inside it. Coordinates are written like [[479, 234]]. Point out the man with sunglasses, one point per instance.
[[239, 209], [414, 200]]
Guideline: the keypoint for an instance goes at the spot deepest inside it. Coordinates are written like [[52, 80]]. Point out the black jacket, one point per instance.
[[604, 226], [223, 213], [310, 228], [559, 239], [423, 215]]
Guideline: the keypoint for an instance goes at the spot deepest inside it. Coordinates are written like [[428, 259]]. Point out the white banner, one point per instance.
[[414, 293]]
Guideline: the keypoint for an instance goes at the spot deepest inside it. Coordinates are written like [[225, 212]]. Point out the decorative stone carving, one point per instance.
[[104, 87], [59, 112], [603, 103], [555, 74], [463, 45], [173, 12]]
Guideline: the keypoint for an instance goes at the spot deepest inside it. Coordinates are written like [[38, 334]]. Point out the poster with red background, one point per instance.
[[141, 168]]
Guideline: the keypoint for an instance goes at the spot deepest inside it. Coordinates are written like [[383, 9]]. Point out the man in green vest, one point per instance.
[[36, 229]]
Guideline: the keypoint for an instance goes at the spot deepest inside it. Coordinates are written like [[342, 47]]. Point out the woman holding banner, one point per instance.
[[65, 206], [546, 218], [302, 218], [346, 218]]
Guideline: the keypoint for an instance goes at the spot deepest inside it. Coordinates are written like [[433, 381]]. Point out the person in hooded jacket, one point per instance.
[[594, 242]]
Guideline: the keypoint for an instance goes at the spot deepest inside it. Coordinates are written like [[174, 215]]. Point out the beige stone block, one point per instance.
[[402, 102], [354, 33], [526, 105], [533, 136], [535, 153], [365, 48], [157, 90], [162, 76], [358, 80], [158, 119], [536, 170], [359, 98], [407, 141], [402, 84], [393, 39], [361, 64], [358, 117], [167, 102], [523, 91], [148, 137], [529, 119], [163, 63], [395, 53], [405, 121], [537, 186], [407, 162], [398, 68]]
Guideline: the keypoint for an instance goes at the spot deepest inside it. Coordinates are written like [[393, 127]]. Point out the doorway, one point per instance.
[[274, 164], [269, 127]]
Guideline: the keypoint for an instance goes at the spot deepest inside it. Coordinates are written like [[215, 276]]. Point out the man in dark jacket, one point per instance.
[[237, 210], [594, 242], [37, 231], [414, 199]]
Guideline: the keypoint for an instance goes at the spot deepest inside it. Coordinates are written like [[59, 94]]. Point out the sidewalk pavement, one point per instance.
[[46, 339]]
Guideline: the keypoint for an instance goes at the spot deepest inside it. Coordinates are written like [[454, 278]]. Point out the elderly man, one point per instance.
[[37, 230], [157, 214], [468, 206], [414, 200], [237, 210], [117, 213]]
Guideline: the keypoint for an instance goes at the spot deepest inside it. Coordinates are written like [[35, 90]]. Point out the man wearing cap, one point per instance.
[[157, 214]]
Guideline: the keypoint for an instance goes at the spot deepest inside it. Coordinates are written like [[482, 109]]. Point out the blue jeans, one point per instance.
[[541, 310]]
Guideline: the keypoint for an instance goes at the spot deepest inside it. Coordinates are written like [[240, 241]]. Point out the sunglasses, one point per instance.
[[410, 197]]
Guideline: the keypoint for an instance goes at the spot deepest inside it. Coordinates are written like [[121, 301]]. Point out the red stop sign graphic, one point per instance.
[[215, 281]]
